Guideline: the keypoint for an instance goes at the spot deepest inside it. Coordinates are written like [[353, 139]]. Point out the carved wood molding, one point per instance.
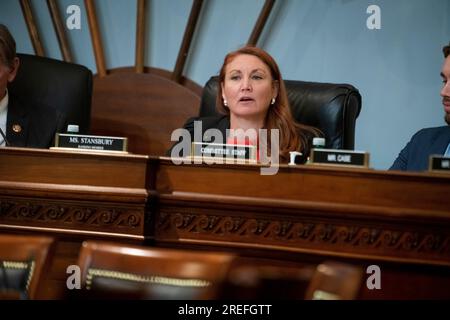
[[348, 238], [89, 216]]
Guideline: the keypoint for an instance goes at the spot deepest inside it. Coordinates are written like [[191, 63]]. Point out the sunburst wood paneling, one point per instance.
[[146, 108], [145, 104], [186, 44], [32, 28], [140, 35], [59, 28], [96, 38], [261, 22], [141, 103]]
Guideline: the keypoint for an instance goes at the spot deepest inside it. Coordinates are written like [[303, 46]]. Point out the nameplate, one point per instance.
[[224, 153], [439, 163], [348, 158], [94, 143]]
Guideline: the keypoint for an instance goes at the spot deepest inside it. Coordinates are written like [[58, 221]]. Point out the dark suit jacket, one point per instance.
[[35, 124], [414, 157], [222, 123]]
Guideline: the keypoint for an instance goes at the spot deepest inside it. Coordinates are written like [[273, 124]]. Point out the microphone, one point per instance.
[[4, 138]]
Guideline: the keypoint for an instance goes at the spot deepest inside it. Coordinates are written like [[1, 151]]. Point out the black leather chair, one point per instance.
[[24, 262], [333, 108], [62, 85]]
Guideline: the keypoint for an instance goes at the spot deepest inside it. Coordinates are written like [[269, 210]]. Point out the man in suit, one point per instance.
[[414, 157], [22, 124]]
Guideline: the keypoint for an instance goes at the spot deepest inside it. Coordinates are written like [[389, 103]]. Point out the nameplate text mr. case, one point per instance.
[[340, 157]]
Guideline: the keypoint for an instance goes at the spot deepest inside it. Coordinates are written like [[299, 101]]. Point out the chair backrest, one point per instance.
[[335, 281], [112, 270], [333, 108], [259, 280], [23, 262], [329, 280], [62, 85]]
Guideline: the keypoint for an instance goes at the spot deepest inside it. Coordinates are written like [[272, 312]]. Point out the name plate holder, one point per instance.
[[345, 158], [223, 153], [78, 142], [439, 163]]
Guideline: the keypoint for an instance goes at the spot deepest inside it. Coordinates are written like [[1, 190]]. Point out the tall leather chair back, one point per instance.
[[62, 85], [333, 108]]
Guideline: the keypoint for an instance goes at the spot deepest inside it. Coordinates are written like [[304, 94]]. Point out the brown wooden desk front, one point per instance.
[[399, 221]]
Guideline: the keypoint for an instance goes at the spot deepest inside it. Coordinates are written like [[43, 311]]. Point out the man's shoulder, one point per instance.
[[431, 132]]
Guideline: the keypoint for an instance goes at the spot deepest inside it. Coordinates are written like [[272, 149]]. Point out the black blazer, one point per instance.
[[32, 126], [222, 123]]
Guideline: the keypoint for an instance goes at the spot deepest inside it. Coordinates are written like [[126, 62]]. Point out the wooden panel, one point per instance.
[[322, 211], [301, 215], [96, 37], [80, 194], [310, 183], [146, 108], [140, 35], [63, 167]]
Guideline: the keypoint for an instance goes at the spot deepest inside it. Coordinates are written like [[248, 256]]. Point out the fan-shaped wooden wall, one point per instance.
[[142, 103]]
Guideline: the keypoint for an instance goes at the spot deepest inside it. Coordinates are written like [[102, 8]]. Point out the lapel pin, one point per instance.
[[17, 128]]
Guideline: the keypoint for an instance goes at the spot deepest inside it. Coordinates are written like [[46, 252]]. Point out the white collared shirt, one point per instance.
[[447, 152], [3, 116]]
